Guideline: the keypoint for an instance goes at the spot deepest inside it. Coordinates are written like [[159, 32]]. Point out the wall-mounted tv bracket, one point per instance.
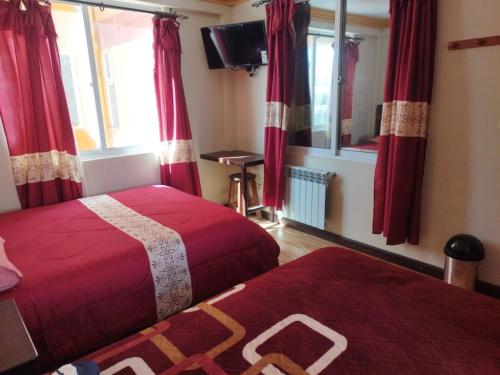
[[251, 69]]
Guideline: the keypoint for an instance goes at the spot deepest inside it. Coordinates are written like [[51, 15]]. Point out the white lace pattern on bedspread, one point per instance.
[[164, 247]]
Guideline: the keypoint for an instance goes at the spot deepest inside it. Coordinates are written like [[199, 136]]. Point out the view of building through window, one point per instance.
[[109, 85]]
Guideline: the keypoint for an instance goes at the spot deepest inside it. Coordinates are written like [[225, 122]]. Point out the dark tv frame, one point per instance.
[[250, 68]]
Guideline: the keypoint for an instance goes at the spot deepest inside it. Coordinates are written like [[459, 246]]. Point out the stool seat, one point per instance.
[[236, 177]]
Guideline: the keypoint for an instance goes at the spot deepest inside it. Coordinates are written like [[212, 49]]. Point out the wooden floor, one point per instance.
[[293, 243]]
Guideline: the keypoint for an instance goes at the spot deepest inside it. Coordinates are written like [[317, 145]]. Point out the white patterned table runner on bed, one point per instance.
[[164, 247]]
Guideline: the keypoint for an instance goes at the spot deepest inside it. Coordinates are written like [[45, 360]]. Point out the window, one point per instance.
[[107, 68], [364, 62], [110, 92], [69, 88]]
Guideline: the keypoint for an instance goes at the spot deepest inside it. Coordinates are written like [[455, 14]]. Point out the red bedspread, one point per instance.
[[333, 311], [87, 283]]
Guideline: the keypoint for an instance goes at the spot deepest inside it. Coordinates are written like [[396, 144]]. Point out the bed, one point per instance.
[[334, 312], [100, 268]]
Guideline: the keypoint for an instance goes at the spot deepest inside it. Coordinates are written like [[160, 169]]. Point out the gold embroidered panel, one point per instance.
[[405, 119], [346, 126], [45, 166], [178, 151], [277, 115]]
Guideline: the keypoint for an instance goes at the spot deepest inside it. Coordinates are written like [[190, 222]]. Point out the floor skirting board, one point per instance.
[[430, 270]]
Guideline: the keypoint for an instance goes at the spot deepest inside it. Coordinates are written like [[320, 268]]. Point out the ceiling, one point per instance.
[[369, 8]]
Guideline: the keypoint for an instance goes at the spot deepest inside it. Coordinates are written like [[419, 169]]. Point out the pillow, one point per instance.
[[9, 274], [80, 368]]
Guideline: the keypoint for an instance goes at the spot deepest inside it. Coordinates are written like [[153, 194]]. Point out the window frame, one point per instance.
[[335, 152], [102, 150]]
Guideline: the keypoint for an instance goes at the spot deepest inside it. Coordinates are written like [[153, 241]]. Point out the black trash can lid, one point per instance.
[[464, 247]]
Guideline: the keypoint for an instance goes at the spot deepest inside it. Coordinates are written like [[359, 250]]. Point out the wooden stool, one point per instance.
[[252, 195]]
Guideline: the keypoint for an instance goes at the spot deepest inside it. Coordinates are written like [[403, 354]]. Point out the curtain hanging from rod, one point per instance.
[[33, 107], [101, 5], [258, 3]]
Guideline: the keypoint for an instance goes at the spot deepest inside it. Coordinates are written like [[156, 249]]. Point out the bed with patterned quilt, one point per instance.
[[332, 312], [100, 268]]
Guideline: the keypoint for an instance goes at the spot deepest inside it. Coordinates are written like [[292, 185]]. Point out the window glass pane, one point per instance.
[[123, 51], [76, 74], [69, 88]]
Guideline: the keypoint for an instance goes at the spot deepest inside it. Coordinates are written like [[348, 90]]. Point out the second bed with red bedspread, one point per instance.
[[333, 312], [100, 268]]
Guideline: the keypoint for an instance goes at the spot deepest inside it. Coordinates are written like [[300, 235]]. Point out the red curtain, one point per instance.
[[351, 58], [281, 38], [401, 153], [177, 157], [33, 107]]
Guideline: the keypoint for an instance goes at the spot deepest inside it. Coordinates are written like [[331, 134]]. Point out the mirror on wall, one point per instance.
[[311, 108], [364, 60], [314, 115]]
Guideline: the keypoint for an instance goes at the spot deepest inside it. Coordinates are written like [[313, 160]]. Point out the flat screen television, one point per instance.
[[239, 45]]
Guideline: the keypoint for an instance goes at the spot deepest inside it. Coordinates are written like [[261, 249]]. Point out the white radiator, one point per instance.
[[306, 195]]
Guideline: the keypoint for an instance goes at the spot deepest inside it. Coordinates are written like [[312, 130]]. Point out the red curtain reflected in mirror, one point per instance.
[[299, 130], [351, 57]]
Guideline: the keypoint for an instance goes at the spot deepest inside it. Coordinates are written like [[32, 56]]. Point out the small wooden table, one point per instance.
[[242, 159], [16, 347]]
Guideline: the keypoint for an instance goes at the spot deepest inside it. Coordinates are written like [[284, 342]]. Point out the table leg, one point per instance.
[[244, 195]]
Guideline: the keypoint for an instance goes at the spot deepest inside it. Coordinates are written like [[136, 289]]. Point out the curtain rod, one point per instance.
[[102, 6], [258, 3]]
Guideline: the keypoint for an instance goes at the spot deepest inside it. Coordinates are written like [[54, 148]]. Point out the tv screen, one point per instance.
[[236, 45]]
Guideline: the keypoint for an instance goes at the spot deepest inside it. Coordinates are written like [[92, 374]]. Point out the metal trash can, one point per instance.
[[464, 254]]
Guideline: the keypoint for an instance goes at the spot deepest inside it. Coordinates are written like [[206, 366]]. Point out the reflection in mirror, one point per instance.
[[300, 110], [311, 104], [364, 61]]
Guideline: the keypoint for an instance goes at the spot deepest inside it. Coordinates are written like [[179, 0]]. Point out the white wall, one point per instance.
[[249, 96], [8, 194], [119, 173], [462, 180]]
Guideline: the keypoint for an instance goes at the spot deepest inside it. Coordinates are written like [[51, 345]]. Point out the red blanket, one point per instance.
[[87, 283], [333, 311]]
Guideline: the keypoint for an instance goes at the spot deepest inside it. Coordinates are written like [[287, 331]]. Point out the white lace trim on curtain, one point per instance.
[[164, 247], [277, 115], [179, 151], [405, 119], [346, 126], [45, 166]]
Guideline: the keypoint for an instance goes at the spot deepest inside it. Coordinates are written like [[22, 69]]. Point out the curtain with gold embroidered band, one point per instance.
[[33, 106]]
